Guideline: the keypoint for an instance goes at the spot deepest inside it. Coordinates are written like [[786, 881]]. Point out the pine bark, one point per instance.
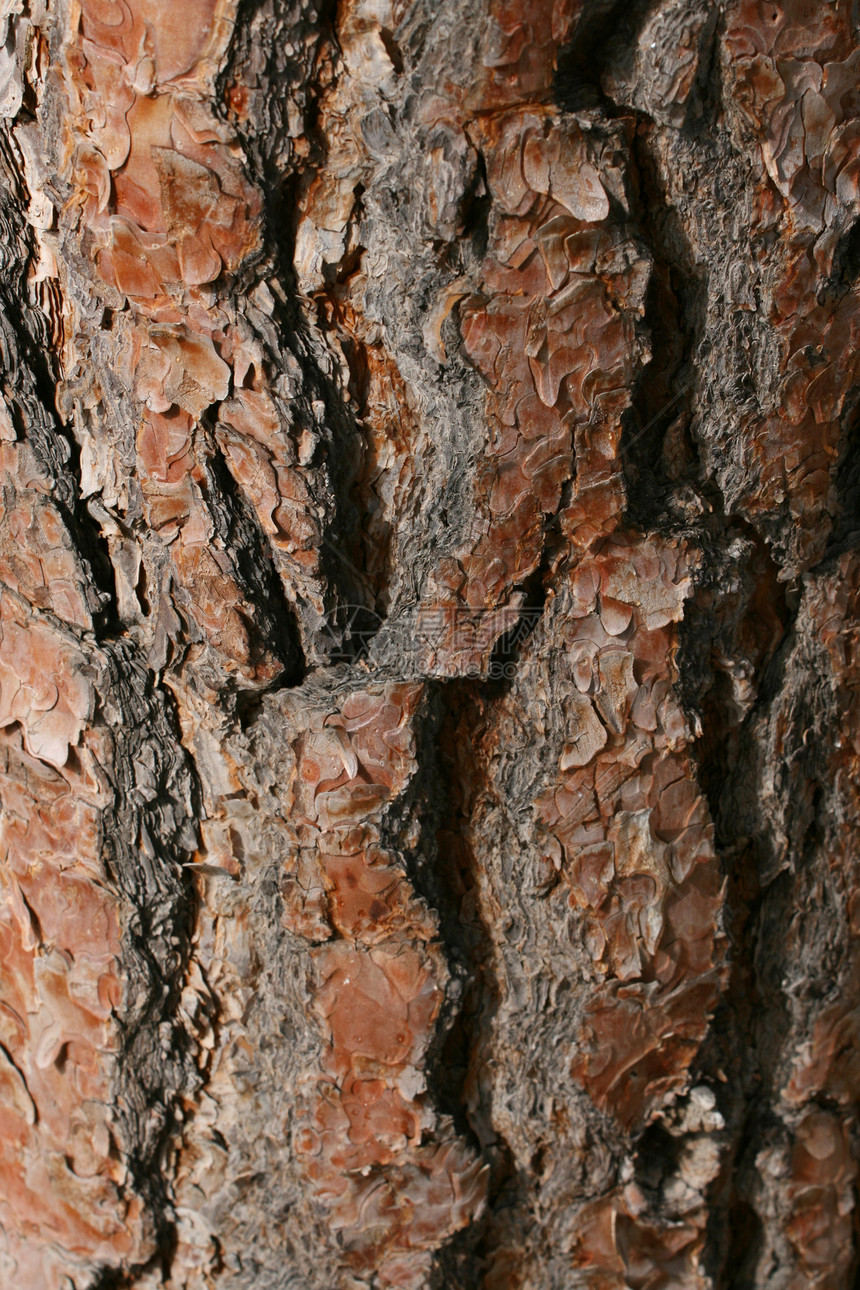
[[429, 606]]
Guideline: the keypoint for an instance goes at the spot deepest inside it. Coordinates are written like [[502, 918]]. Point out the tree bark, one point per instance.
[[429, 606]]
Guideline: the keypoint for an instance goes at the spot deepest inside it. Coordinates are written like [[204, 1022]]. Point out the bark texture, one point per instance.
[[429, 610]]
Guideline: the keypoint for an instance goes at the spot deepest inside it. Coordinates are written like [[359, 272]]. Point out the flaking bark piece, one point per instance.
[[189, 192]]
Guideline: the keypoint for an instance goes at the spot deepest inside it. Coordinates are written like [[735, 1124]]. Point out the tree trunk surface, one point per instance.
[[429, 666]]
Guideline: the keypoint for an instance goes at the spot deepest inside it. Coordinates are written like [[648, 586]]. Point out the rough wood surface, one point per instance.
[[429, 611]]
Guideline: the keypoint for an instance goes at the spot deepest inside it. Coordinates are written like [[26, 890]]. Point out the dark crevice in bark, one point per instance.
[[728, 1244], [33, 383], [604, 24], [730, 769], [445, 873], [118, 1278], [746, 1232], [439, 874], [346, 554], [660, 407], [31, 394], [705, 104], [275, 622], [845, 269], [846, 528], [369, 536], [152, 830], [30, 384], [506, 651], [657, 1156], [657, 448], [741, 612], [716, 629], [298, 325], [475, 215], [149, 827], [258, 64], [113, 1279], [663, 463]]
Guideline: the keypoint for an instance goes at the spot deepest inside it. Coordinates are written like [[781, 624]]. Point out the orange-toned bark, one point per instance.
[[65, 1199]]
